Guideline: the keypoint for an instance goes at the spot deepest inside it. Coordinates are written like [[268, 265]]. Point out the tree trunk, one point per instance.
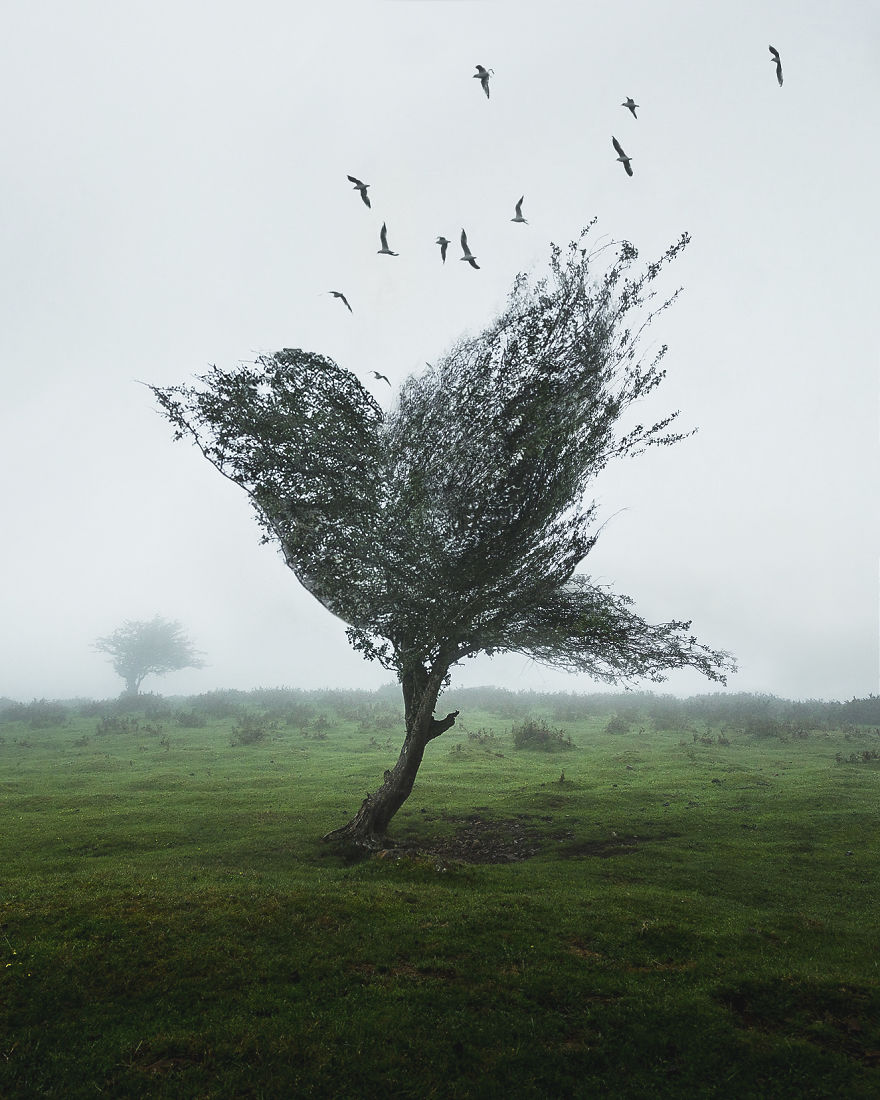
[[368, 827]]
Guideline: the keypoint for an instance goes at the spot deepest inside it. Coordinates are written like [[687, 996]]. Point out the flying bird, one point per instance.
[[362, 187], [483, 76], [468, 257], [339, 294], [383, 237], [621, 156], [775, 58], [631, 104], [444, 244], [519, 217], [376, 374]]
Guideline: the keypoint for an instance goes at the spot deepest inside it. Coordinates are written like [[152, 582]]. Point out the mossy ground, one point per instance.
[[675, 917]]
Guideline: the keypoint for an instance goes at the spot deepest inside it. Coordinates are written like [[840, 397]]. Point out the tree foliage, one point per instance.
[[456, 523], [141, 649]]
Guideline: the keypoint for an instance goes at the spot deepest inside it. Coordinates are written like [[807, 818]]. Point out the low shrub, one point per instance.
[[667, 719], [152, 706], [190, 719], [92, 708], [764, 727], [222, 703], [374, 744], [117, 723], [868, 756], [41, 714], [575, 710], [484, 737], [252, 728], [299, 715], [534, 733]]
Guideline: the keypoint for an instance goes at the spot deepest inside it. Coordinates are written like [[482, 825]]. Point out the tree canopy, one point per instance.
[[141, 649], [455, 523]]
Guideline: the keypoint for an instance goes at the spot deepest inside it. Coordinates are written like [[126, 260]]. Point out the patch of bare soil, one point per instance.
[[478, 840], [481, 840]]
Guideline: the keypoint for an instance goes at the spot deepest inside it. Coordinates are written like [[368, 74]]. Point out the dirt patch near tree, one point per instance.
[[480, 840], [477, 840]]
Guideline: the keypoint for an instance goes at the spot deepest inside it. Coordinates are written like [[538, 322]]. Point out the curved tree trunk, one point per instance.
[[368, 827]]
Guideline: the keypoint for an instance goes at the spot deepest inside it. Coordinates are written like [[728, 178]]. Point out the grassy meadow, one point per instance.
[[660, 901]]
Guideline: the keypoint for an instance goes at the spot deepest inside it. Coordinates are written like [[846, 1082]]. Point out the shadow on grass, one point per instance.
[[839, 1018]]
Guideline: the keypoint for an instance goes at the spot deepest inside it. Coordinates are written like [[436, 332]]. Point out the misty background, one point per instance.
[[174, 194]]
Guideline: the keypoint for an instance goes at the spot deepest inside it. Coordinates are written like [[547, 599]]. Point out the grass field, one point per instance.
[[691, 911]]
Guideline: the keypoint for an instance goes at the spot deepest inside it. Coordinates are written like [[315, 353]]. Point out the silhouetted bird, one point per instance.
[[468, 257], [383, 237], [631, 103], [377, 376], [519, 217], [483, 76], [339, 294], [444, 244], [362, 187], [621, 156], [775, 58]]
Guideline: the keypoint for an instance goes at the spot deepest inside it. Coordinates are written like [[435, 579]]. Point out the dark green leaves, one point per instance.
[[303, 438], [455, 524]]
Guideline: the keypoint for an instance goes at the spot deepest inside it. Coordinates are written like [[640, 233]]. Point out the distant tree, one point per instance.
[[454, 524], [141, 649]]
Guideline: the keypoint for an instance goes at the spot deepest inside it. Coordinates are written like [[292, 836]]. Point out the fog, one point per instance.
[[174, 194]]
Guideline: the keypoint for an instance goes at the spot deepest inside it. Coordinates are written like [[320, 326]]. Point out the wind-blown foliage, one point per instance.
[[491, 454], [454, 524]]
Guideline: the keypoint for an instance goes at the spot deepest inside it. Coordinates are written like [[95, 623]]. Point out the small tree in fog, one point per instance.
[[141, 649], [455, 523]]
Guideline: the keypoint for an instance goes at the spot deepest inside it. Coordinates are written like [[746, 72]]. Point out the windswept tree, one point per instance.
[[141, 649], [455, 524]]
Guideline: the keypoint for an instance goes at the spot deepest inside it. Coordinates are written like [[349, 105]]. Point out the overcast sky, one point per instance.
[[173, 194]]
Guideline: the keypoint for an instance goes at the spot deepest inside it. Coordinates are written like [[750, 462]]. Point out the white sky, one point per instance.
[[173, 194]]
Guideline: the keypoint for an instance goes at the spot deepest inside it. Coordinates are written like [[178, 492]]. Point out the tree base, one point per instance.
[[361, 833], [367, 829]]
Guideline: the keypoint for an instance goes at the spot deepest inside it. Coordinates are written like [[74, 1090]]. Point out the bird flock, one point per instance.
[[482, 74]]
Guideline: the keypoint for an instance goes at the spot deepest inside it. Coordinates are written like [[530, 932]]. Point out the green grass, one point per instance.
[[699, 919]]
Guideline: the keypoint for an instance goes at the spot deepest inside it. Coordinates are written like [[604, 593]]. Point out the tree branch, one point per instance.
[[441, 726]]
